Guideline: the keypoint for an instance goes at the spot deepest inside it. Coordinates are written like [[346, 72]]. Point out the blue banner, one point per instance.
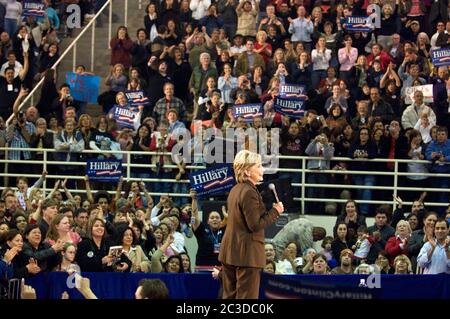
[[104, 170], [440, 57], [136, 98], [119, 285], [294, 108], [124, 117], [213, 181], [293, 91], [83, 88], [310, 287], [247, 111], [33, 8], [357, 24]]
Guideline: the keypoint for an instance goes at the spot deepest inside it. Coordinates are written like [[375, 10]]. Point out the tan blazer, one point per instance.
[[243, 242], [140, 261]]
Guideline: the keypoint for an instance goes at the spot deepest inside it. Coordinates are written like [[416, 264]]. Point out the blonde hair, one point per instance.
[[404, 258], [403, 222], [243, 161], [261, 33]]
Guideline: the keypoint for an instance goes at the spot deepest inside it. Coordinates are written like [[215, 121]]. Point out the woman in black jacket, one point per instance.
[[352, 219], [93, 253], [12, 253], [46, 255]]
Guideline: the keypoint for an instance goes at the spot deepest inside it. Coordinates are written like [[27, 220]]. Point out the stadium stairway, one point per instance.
[[102, 51]]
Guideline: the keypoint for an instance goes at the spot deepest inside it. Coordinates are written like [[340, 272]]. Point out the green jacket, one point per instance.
[[198, 79], [242, 67]]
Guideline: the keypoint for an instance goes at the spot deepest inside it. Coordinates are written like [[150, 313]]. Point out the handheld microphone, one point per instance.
[[272, 188]]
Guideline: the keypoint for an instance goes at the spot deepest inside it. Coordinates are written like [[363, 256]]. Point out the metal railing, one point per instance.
[[29, 99], [302, 169]]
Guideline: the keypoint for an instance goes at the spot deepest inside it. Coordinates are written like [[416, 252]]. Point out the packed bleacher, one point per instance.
[[376, 91]]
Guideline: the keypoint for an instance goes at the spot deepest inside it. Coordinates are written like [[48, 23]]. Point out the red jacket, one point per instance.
[[121, 52], [393, 248], [385, 59]]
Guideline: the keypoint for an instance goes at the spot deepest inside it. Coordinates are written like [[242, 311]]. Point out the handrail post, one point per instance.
[[44, 186], [129, 168], [6, 178], [303, 186], [110, 24], [93, 47], [74, 57], [395, 182], [126, 13]]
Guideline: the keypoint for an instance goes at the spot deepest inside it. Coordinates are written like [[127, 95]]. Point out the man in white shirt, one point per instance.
[[440, 28], [434, 257], [412, 113], [12, 62]]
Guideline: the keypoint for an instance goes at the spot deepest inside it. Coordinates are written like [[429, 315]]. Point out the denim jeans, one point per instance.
[[10, 26], [364, 194], [316, 76]]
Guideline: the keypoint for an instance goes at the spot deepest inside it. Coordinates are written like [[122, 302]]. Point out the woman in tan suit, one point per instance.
[[242, 249]]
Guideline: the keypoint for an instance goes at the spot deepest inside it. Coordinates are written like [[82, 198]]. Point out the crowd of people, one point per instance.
[[194, 60]]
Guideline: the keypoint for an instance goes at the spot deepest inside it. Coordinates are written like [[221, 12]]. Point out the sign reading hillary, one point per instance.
[[213, 181], [125, 117], [136, 98], [440, 57], [104, 170], [291, 100], [293, 91], [33, 8], [247, 111], [358, 24], [83, 88]]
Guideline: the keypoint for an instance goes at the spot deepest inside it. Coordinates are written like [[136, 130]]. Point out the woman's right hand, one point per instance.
[[279, 207]]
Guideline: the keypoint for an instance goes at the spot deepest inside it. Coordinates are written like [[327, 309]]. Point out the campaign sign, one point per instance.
[[293, 108], [213, 181], [293, 91], [33, 8], [357, 24], [124, 117], [104, 170], [83, 88], [247, 111], [440, 57], [136, 98], [426, 89]]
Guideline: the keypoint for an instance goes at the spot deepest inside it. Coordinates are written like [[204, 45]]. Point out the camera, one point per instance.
[[21, 117]]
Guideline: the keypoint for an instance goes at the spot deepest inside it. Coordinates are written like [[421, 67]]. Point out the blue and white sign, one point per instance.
[[213, 181], [290, 107], [33, 8], [136, 98], [247, 111], [83, 88], [293, 91], [125, 117], [440, 57], [104, 170], [358, 24]]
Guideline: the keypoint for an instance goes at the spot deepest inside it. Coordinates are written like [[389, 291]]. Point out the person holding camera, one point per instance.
[[18, 135], [61, 103], [162, 142]]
